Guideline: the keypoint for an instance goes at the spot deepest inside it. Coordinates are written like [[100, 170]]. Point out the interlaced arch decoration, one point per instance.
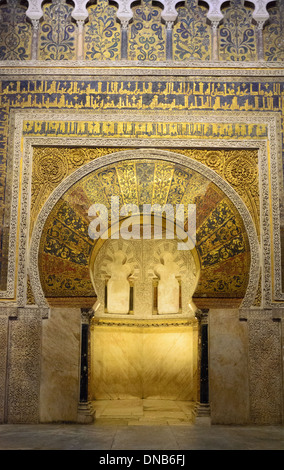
[[169, 13], [173, 31]]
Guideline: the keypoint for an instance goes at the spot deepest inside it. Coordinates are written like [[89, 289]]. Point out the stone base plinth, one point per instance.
[[86, 414], [201, 414]]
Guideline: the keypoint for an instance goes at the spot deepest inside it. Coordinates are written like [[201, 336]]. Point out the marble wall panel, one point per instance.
[[59, 388], [228, 368]]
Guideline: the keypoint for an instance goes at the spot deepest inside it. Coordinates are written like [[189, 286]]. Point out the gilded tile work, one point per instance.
[[237, 38], [146, 34], [15, 32], [102, 32], [191, 33], [57, 35], [273, 34], [222, 242]]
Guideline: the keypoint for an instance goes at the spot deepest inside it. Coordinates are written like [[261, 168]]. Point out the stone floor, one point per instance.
[[141, 425]]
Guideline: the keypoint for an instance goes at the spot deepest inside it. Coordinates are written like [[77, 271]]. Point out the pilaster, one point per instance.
[[265, 372], [23, 366], [35, 30], [80, 39]]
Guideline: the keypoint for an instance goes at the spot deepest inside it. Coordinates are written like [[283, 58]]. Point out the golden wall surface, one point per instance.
[[143, 362]]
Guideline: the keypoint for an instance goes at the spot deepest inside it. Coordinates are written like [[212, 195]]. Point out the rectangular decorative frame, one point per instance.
[[270, 168]]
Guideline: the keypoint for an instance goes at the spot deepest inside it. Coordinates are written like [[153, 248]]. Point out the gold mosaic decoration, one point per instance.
[[52, 164], [237, 33], [239, 168], [191, 32], [273, 34], [15, 32], [222, 242]]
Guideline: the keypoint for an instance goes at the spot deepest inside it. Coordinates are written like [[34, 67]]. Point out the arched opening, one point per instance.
[[127, 346]]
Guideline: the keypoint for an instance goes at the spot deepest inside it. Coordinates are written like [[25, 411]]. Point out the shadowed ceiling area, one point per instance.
[[221, 240]]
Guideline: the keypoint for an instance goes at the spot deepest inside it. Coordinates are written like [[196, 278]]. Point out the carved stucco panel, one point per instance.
[[24, 367], [264, 368]]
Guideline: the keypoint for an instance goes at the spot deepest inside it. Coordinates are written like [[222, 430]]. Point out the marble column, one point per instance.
[[85, 413], [215, 52], [202, 410], [35, 31], [260, 52], [278, 316], [169, 40], [124, 39], [80, 39], [6, 315]]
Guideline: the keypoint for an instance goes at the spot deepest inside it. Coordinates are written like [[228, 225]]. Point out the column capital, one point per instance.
[[260, 24], [215, 24], [124, 24], [35, 24], [202, 315], [86, 315], [169, 25], [80, 23]]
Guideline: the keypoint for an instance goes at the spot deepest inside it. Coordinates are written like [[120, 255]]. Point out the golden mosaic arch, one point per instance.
[[238, 167], [222, 243]]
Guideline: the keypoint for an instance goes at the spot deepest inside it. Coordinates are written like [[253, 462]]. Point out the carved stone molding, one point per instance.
[[8, 312], [143, 323], [169, 12], [131, 68]]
